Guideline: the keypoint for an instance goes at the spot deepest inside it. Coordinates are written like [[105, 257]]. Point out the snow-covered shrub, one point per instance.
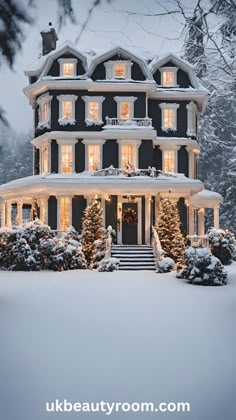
[[22, 257], [67, 256], [34, 231], [222, 244], [109, 264], [71, 233], [165, 265], [99, 253], [203, 268]]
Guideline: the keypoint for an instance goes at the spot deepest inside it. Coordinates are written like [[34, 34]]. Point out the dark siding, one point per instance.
[[182, 77], [110, 154], [36, 161], [100, 73], [154, 112], [143, 220], [52, 212], [55, 67], [183, 161], [111, 212], [145, 154], [32, 79], [79, 157], [157, 158], [54, 157], [183, 215], [78, 206]]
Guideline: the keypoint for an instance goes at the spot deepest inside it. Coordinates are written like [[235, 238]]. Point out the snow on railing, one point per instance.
[[129, 123], [156, 246], [108, 242], [198, 241], [131, 171]]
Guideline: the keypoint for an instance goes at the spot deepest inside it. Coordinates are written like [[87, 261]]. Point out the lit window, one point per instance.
[[93, 157], [93, 111], [66, 159], [120, 71], [44, 160], [44, 110], [128, 156], [168, 118], [65, 211], [68, 69], [125, 113], [169, 161], [168, 78], [67, 110]]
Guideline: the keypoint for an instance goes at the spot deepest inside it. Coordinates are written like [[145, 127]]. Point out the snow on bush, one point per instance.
[[165, 265], [223, 245], [203, 268], [109, 264]]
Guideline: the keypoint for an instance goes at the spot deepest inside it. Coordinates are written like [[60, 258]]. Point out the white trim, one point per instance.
[[130, 100], [169, 69], [191, 119], [70, 98], [99, 99], [172, 106], [44, 99], [110, 69], [62, 61]]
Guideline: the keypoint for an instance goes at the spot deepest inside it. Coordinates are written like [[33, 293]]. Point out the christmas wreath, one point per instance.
[[130, 216]]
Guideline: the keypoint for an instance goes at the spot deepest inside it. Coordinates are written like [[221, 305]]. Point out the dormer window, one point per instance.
[[125, 107], [44, 111], [169, 116], [93, 109], [66, 109], [169, 76], [67, 67], [120, 70]]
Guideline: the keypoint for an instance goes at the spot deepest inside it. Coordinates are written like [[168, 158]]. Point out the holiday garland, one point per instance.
[[130, 216]]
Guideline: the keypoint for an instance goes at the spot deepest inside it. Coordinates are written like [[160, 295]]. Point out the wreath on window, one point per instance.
[[130, 216]]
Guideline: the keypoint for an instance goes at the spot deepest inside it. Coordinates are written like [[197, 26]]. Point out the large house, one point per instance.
[[115, 128]]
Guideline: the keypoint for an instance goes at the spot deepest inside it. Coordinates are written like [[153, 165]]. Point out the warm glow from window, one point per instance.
[[168, 78], [67, 110], [125, 113], [169, 118], [43, 212], [128, 156], [93, 157], [169, 161], [120, 71], [66, 159], [68, 69], [93, 111], [65, 213], [44, 160]]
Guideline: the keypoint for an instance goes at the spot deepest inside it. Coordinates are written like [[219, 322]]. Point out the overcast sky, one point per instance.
[[108, 26]]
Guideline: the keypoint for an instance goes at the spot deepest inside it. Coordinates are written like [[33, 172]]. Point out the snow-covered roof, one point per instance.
[[205, 199]]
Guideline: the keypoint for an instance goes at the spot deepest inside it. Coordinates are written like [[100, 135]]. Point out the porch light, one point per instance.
[[131, 198], [108, 198]]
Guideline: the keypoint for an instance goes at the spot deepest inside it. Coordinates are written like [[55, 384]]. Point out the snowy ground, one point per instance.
[[120, 336]]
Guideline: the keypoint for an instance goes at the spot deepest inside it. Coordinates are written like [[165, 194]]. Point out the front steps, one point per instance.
[[134, 257]]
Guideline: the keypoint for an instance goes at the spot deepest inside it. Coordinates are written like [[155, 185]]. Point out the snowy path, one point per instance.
[[124, 336]]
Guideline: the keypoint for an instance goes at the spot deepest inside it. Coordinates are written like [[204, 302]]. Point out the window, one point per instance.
[[191, 119], [67, 109], [66, 159], [169, 161], [44, 111], [120, 69], [67, 67], [125, 107], [44, 160], [65, 213], [93, 157], [168, 76], [93, 109], [169, 116], [128, 155]]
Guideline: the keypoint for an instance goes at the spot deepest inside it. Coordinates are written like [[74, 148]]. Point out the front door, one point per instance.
[[129, 229]]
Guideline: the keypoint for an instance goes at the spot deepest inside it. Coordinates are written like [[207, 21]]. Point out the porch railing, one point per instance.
[[198, 241], [131, 122]]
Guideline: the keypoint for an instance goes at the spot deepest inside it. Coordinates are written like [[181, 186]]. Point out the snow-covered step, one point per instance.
[[134, 257]]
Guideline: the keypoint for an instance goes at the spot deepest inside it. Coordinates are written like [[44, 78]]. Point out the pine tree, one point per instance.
[[168, 229], [92, 230]]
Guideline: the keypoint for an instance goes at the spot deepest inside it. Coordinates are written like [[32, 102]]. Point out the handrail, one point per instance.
[[120, 122], [156, 246]]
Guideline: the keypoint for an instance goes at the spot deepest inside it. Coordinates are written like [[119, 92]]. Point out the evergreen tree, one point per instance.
[[169, 231], [92, 230]]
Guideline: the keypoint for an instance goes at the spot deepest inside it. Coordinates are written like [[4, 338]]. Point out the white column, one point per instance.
[[103, 206], [19, 217], [3, 214], [190, 163], [119, 219], [147, 219], [201, 228], [9, 223], [43, 203], [216, 217], [190, 220], [157, 205]]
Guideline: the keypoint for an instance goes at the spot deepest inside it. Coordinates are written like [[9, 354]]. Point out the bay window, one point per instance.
[[169, 116]]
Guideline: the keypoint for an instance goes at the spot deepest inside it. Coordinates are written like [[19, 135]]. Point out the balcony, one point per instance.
[[132, 123]]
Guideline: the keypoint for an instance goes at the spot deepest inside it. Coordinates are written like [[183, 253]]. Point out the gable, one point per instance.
[[54, 70]]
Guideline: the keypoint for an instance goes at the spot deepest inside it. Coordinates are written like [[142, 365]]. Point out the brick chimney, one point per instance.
[[49, 39]]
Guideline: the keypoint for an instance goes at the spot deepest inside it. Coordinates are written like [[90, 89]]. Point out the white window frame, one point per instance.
[[163, 159], [44, 99], [124, 142], [165, 106], [87, 100], [69, 98], [59, 211], [110, 69], [191, 119], [62, 61], [95, 142], [170, 148], [66, 142], [130, 99], [42, 150], [169, 69]]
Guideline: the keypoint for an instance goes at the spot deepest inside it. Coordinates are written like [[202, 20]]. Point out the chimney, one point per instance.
[[49, 39]]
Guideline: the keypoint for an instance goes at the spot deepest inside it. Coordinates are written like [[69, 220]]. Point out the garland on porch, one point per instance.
[[130, 216]]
